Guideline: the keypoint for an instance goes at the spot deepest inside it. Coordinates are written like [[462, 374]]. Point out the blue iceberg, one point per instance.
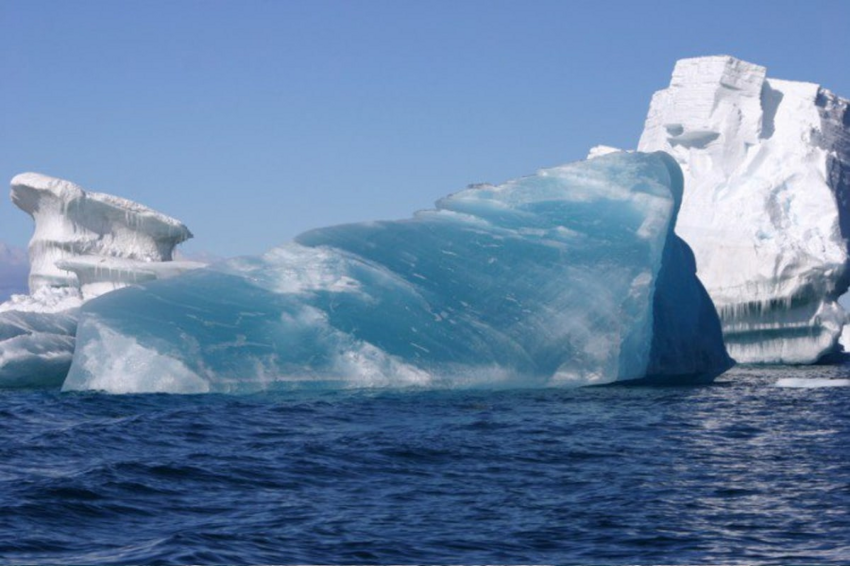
[[572, 276]]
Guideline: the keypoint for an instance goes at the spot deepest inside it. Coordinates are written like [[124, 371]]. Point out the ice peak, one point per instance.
[[725, 70]]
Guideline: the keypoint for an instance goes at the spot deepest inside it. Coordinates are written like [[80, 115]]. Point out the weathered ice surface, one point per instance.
[[572, 276], [84, 244], [97, 275], [70, 222], [36, 347], [766, 164]]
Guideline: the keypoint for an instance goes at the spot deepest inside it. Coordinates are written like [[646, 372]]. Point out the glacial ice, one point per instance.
[[766, 164], [84, 245], [572, 276]]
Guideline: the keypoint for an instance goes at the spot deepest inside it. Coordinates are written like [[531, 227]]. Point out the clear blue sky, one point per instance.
[[252, 121]]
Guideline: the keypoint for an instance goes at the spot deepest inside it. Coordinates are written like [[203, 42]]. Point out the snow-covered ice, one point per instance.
[[84, 244], [767, 189], [572, 276]]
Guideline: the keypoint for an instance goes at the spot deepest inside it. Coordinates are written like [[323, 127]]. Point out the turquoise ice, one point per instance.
[[572, 276]]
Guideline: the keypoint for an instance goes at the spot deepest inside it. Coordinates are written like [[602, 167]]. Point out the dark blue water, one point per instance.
[[741, 471]]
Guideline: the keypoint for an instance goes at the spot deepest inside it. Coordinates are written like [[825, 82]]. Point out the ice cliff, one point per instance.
[[14, 269], [84, 244], [766, 164], [572, 276]]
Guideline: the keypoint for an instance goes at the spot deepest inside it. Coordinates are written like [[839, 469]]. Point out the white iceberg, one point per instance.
[[84, 245], [767, 189], [71, 222], [572, 276]]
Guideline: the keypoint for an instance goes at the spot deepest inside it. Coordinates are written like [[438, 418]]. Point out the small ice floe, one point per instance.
[[811, 382]]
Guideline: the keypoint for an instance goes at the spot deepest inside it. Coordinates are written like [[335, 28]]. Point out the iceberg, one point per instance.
[[766, 164], [71, 222], [572, 276], [84, 244]]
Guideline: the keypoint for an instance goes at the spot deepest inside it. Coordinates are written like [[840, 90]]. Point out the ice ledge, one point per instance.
[[724, 70], [30, 184]]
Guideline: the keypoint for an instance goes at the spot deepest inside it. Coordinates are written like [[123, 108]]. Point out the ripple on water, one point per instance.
[[741, 471]]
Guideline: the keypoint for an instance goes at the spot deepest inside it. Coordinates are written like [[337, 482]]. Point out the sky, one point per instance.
[[252, 121]]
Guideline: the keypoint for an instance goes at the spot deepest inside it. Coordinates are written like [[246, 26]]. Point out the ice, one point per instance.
[[36, 348], [766, 164], [844, 339], [14, 269], [70, 222], [97, 275], [600, 150], [572, 276], [811, 382], [84, 244]]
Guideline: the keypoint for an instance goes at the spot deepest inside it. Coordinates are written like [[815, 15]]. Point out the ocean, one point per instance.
[[754, 468]]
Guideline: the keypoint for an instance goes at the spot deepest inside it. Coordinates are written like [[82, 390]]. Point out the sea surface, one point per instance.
[[752, 469]]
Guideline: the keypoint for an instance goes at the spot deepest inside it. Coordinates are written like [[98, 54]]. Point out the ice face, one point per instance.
[[70, 222], [765, 209], [84, 245], [571, 276]]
